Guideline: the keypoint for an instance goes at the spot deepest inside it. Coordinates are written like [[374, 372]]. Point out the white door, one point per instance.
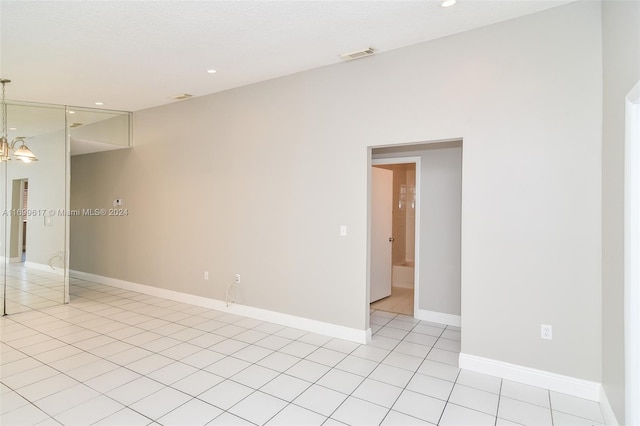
[[381, 238]]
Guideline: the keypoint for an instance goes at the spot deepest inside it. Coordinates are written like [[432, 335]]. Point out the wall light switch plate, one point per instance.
[[343, 230], [546, 332], [48, 221]]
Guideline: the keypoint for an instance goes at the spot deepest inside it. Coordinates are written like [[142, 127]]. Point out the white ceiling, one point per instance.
[[133, 55]]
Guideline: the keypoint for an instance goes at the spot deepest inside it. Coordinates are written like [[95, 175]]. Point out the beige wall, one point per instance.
[[621, 59], [257, 181]]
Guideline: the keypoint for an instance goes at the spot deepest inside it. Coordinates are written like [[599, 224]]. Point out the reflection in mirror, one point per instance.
[[34, 197], [33, 233]]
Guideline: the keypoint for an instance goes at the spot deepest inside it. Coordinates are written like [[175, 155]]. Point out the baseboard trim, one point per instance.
[[439, 317], [610, 418], [43, 267], [530, 376], [314, 326]]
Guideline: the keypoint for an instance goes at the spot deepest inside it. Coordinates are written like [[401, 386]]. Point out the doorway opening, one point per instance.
[[394, 204], [18, 222]]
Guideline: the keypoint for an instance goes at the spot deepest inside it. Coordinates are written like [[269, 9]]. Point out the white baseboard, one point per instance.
[[439, 317], [43, 267], [320, 327], [610, 418], [530, 376]]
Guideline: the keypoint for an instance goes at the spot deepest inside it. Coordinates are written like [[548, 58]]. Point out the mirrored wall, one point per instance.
[[35, 197]]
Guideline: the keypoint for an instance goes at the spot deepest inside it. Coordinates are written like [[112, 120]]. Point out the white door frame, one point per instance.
[[632, 254], [416, 271]]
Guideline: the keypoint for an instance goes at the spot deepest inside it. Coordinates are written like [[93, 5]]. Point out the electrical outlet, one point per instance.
[[546, 332], [236, 279], [206, 275]]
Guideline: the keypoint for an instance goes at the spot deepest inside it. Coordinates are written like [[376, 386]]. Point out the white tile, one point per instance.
[[258, 407], [413, 349], [356, 365], [180, 351], [308, 370], [290, 333], [320, 399], [19, 366], [448, 345], [228, 347], [252, 353], [112, 379], [149, 364], [393, 333], [479, 381], [421, 339], [91, 370], [521, 412], [292, 415], [160, 403], [286, 387], [395, 418], [202, 359], [23, 416], [226, 394], [420, 406], [268, 327], [172, 373], [378, 392], [273, 342], [340, 345], [47, 387], [255, 376], [160, 344], [124, 417], [89, 411], [228, 419], [10, 401], [129, 356], [16, 381], [560, 418], [475, 399], [455, 415], [439, 370], [428, 330], [279, 361], [576, 406], [355, 411], [227, 367], [326, 357], [314, 339], [371, 353], [250, 336], [392, 375], [298, 349], [401, 324], [403, 361], [134, 390], [197, 383], [431, 386], [229, 330], [525, 393], [340, 381], [441, 355], [207, 340], [194, 412]]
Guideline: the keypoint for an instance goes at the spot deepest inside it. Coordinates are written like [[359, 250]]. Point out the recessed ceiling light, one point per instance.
[[72, 112], [447, 3], [13, 128], [182, 96], [99, 103], [212, 71]]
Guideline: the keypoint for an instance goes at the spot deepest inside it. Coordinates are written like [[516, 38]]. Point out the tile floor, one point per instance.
[[400, 302], [115, 357], [29, 289]]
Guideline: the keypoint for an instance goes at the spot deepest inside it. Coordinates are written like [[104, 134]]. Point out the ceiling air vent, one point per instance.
[[358, 54], [182, 96]]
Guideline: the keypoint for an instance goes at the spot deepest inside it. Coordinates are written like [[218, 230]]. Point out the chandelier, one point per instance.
[[22, 152]]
